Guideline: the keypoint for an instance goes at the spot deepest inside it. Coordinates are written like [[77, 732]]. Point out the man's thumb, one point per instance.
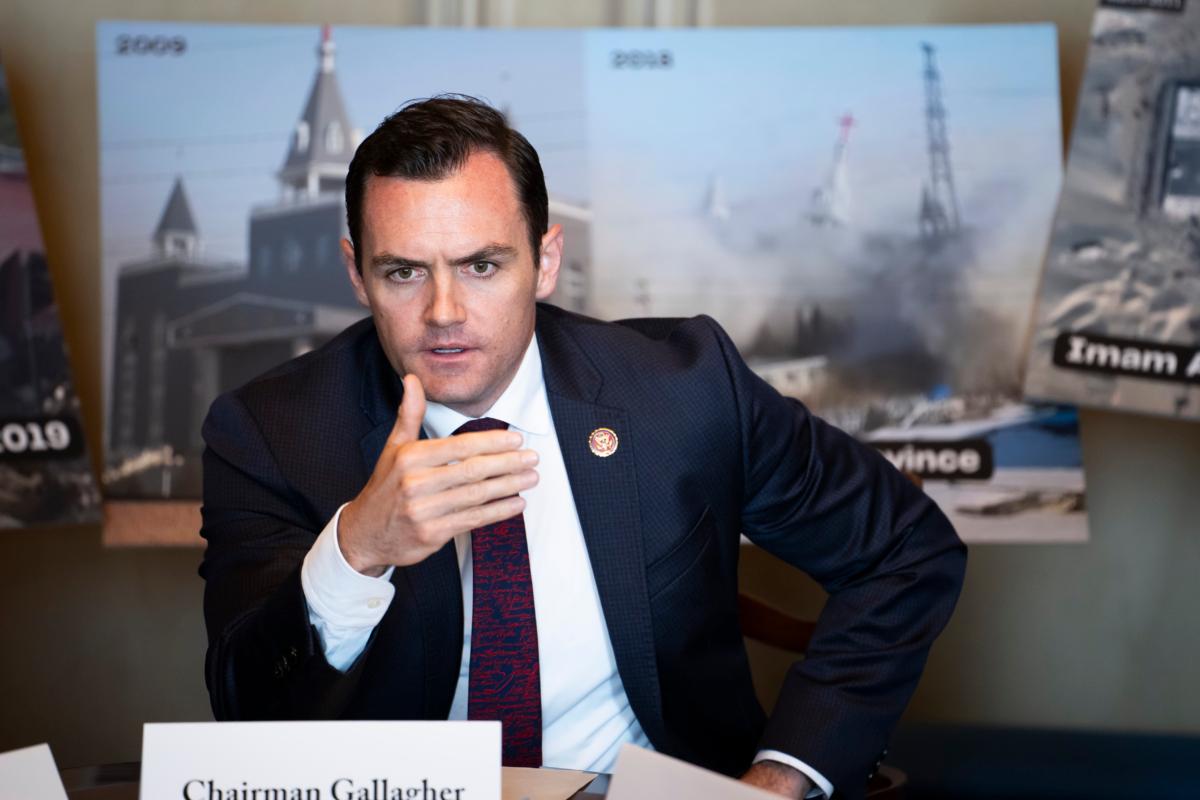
[[412, 411]]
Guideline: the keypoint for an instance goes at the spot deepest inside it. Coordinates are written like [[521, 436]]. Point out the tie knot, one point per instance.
[[481, 424]]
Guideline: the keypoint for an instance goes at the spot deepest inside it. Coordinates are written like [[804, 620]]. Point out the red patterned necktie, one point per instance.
[[505, 683]]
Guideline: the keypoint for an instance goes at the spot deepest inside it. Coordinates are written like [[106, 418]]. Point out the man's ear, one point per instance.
[[549, 261], [356, 279]]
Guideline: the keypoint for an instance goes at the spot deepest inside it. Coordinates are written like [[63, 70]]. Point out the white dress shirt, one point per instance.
[[586, 715]]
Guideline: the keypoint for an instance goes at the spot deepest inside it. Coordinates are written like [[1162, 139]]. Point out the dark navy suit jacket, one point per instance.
[[707, 451]]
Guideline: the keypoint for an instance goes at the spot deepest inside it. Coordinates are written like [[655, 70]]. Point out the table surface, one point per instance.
[[120, 782]]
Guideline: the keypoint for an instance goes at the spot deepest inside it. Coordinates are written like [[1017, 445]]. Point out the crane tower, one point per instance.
[[939, 203]]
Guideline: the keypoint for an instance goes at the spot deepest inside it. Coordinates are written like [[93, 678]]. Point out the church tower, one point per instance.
[[293, 248], [323, 141], [176, 235]]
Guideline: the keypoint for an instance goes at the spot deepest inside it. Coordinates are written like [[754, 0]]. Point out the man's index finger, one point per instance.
[[437, 452]]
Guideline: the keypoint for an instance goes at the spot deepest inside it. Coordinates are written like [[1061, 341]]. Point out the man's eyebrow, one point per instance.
[[385, 260], [492, 252]]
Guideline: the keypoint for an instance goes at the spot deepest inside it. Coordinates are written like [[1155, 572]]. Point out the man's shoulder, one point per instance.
[[330, 371], [635, 337], [638, 362]]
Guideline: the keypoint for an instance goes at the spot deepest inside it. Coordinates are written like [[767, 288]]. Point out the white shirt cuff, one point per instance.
[[821, 787], [343, 604]]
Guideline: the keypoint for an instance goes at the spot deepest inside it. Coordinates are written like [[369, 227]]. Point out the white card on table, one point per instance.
[[322, 760], [643, 773], [30, 774]]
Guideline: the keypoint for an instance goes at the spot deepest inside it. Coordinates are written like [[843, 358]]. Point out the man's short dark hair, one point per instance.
[[427, 140]]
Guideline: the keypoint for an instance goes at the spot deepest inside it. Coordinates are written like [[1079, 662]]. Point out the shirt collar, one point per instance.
[[523, 404]]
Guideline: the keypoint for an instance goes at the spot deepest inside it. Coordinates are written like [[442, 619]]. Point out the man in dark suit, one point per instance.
[[363, 562]]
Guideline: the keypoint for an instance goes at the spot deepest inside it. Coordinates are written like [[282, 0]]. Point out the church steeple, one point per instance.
[[323, 141], [176, 234]]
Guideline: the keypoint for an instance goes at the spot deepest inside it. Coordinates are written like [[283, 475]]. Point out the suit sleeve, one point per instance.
[[889, 559], [264, 659]]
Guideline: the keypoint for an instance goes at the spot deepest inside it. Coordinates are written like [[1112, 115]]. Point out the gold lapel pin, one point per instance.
[[603, 442]]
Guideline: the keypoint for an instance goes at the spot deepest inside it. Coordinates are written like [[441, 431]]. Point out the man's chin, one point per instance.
[[462, 398]]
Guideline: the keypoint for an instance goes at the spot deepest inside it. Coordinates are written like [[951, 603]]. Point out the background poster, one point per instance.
[[45, 474], [871, 257], [1118, 317]]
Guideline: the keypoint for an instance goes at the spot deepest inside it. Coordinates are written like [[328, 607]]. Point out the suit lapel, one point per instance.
[[605, 491], [434, 584]]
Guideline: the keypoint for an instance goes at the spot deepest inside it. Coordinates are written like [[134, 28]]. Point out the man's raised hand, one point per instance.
[[423, 493]]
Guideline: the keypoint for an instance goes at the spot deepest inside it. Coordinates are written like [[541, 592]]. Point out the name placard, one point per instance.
[[30, 774], [321, 761]]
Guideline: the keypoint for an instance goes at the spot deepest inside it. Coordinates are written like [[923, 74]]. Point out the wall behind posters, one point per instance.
[[98, 641]]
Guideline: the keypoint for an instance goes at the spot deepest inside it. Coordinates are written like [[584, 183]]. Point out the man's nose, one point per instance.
[[444, 308]]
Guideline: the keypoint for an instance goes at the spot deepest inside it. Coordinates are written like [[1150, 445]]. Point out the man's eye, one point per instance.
[[482, 268], [403, 274]]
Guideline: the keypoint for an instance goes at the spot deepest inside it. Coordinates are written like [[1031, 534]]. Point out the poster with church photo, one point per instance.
[[862, 209], [223, 153], [1118, 318], [45, 473]]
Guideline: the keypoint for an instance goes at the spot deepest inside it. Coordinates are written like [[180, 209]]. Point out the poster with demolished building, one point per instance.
[[864, 210], [45, 474], [1118, 317]]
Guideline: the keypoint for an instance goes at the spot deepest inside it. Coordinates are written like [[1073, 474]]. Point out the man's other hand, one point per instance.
[[778, 778], [423, 493]]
